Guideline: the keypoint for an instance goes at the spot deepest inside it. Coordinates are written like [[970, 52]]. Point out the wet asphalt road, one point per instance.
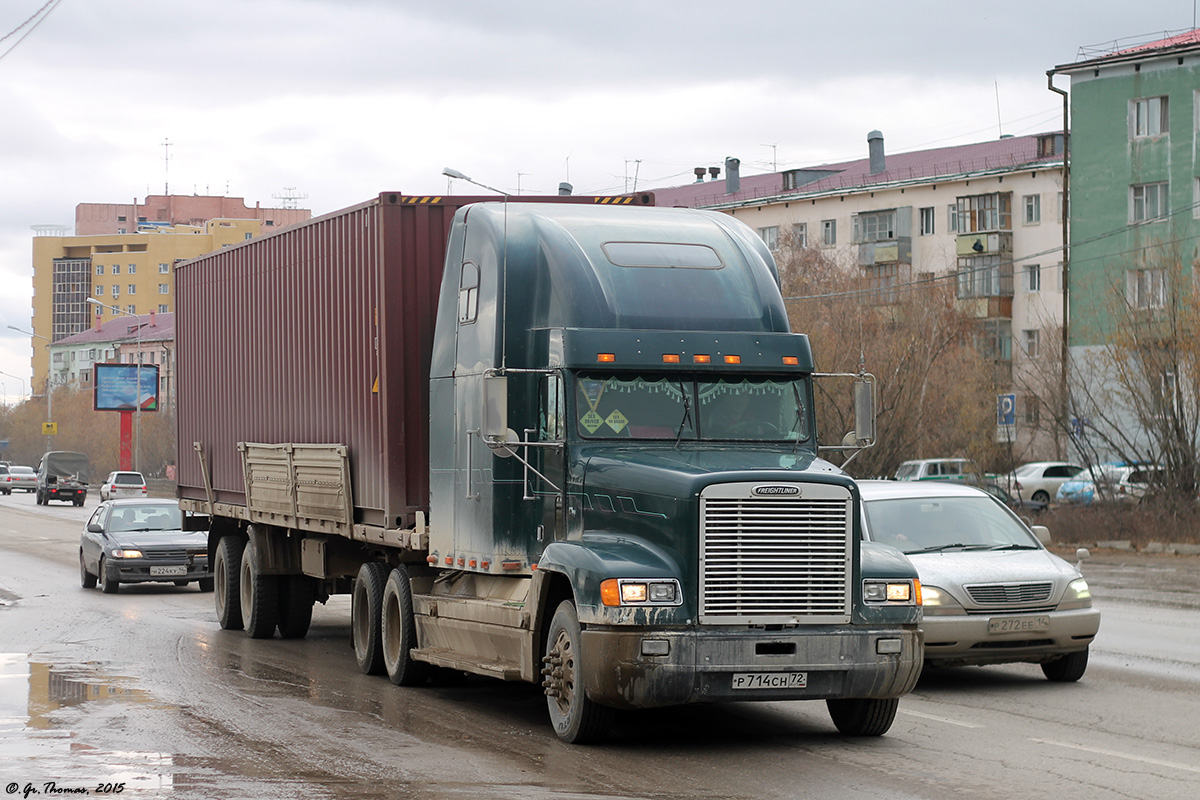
[[143, 689]]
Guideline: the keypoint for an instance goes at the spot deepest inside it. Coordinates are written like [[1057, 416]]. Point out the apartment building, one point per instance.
[[987, 216], [146, 338]]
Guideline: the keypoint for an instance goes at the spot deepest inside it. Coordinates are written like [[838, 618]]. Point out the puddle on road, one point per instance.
[[37, 745]]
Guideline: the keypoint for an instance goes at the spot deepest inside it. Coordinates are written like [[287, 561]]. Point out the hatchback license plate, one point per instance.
[[1019, 624], [770, 680], [168, 571]]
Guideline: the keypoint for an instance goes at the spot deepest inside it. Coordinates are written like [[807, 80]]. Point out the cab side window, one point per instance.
[[468, 294]]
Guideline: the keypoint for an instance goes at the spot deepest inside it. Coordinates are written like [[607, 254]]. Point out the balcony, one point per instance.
[[891, 251], [982, 244]]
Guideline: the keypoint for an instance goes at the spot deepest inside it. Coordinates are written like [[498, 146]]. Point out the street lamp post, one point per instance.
[[49, 376], [18, 377], [137, 395]]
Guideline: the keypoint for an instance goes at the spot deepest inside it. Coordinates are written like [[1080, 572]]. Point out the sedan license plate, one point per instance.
[[1037, 624], [168, 571], [770, 680]]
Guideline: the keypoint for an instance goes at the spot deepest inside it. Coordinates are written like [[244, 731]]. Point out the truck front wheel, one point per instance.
[[227, 569], [576, 718], [862, 716], [399, 628], [259, 593], [366, 616]]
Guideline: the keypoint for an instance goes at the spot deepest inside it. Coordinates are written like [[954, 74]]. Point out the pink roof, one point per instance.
[[929, 165], [1188, 37], [154, 327]]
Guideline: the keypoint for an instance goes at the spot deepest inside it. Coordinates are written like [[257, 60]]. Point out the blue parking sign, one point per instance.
[[1006, 410]]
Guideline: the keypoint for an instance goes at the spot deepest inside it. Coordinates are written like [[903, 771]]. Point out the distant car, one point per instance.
[[1018, 504], [123, 484], [3, 477], [1039, 480], [136, 541], [953, 470], [1123, 483], [23, 478], [992, 592]]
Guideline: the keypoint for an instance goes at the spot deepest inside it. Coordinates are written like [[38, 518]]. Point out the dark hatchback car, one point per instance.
[[138, 541]]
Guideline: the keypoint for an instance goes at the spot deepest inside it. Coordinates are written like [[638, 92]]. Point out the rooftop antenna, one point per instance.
[[519, 174], [289, 197], [999, 122], [166, 166], [774, 156]]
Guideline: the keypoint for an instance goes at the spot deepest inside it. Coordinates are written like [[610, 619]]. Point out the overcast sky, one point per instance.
[[342, 99]]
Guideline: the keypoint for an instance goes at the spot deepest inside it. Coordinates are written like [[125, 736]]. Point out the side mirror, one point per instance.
[[1081, 554], [495, 410], [94, 527], [1042, 533], [864, 411]]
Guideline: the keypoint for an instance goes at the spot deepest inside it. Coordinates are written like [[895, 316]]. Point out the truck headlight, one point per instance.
[[907, 592], [1078, 595], [636, 592], [938, 602]]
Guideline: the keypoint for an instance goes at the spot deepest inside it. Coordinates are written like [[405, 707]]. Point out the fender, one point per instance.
[[600, 555], [884, 562]]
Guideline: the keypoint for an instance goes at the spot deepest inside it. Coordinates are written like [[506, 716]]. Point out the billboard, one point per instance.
[[117, 387]]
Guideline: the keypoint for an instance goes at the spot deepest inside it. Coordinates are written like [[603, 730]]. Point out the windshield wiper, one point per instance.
[[937, 548], [799, 417], [1014, 547]]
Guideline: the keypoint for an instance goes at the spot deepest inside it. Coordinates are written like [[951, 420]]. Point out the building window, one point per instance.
[[99, 291], [99, 269], [163, 269], [879, 226], [164, 288], [92, 354], [1031, 342], [985, 212], [1030, 405], [770, 237], [1033, 209], [984, 276], [927, 215], [1033, 277], [85, 376], [1149, 116], [162, 308], [133, 269], [828, 232], [132, 309], [952, 218], [882, 278], [1147, 201], [996, 342], [133, 288], [116, 269], [249, 236], [1050, 144], [1146, 288], [116, 290], [800, 233]]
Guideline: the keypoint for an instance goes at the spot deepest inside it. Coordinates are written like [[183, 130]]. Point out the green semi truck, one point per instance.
[[568, 441]]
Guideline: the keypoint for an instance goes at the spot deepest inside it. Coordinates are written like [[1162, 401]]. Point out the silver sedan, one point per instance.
[[992, 592]]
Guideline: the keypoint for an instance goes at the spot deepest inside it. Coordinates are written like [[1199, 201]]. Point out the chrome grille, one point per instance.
[[774, 559], [1010, 593]]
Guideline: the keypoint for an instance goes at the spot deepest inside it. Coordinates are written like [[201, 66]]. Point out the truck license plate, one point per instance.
[[1019, 624], [770, 680], [168, 571]]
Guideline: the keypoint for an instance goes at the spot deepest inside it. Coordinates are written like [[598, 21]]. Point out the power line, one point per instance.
[[40, 15]]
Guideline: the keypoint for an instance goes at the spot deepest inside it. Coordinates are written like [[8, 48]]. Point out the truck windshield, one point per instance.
[[684, 407]]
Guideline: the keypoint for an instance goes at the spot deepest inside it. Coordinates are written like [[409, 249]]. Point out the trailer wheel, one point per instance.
[[863, 716], [259, 594], [227, 573], [399, 629], [296, 598], [366, 616], [576, 719]]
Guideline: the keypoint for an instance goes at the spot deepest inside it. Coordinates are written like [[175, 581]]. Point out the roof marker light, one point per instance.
[[606, 358], [791, 361], [733, 359], [700, 359], [670, 358]]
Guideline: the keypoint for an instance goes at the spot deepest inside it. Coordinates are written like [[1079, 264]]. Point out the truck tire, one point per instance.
[[86, 579], [107, 585], [227, 571], [399, 630], [296, 598], [205, 584], [260, 596], [366, 616], [1067, 669], [862, 716], [576, 719]]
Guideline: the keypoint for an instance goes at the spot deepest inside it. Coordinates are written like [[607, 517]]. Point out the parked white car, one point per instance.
[[123, 484], [1039, 480], [954, 470]]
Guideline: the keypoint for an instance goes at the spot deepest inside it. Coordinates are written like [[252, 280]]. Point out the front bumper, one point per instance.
[[137, 570], [951, 640], [838, 662]]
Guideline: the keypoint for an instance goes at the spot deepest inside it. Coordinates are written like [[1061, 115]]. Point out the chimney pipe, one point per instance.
[[733, 175], [875, 148], [699, 174], [714, 173], [565, 189]]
